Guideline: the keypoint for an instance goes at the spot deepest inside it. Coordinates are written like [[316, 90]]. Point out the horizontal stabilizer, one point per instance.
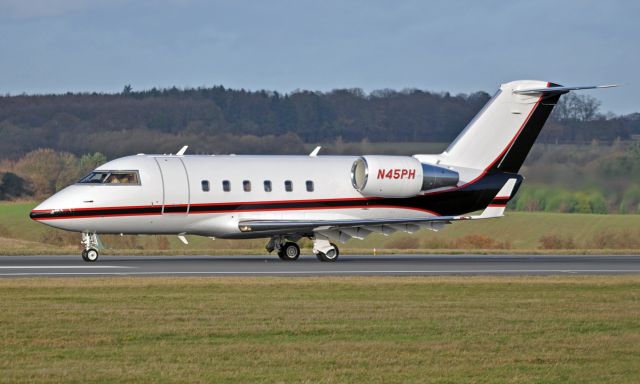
[[499, 203], [559, 90]]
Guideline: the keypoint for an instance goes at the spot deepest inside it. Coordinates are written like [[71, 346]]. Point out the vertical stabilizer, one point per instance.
[[502, 133]]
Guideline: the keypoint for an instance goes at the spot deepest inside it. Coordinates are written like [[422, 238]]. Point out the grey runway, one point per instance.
[[15, 266]]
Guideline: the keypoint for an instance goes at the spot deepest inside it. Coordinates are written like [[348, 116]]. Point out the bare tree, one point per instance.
[[576, 107]]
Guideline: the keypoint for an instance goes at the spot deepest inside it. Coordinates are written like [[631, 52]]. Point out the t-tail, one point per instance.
[[501, 135]]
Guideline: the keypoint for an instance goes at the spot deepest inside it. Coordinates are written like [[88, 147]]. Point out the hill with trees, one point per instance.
[[221, 120]]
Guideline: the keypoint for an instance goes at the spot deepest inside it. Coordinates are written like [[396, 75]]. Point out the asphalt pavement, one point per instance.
[[15, 266]]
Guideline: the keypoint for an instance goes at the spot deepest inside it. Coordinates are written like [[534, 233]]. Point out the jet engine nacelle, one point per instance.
[[398, 176]]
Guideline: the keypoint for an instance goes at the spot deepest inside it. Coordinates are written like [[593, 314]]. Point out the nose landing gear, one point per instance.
[[90, 242]]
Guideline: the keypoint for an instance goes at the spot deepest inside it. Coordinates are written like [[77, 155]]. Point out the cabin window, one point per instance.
[[226, 186], [246, 185], [309, 186], [288, 186], [111, 177], [205, 185], [267, 185]]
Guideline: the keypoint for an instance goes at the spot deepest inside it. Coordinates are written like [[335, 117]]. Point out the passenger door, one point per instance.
[[175, 183]]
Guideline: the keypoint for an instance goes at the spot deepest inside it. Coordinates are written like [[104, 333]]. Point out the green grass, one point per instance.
[[524, 229], [518, 232], [332, 330], [14, 219]]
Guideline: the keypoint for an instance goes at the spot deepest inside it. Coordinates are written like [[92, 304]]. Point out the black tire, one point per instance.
[[91, 255], [84, 255], [290, 252], [337, 249], [281, 254], [332, 257]]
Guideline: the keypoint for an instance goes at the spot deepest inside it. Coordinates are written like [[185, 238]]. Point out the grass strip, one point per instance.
[[582, 329]]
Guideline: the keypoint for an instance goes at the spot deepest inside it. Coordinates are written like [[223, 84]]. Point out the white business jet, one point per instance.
[[328, 199]]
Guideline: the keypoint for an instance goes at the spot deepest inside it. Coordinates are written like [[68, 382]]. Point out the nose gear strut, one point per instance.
[[90, 242]]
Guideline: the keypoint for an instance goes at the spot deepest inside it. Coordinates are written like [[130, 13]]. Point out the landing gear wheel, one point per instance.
[[90, 255], [337, 249], [330, 256], [289, 252]]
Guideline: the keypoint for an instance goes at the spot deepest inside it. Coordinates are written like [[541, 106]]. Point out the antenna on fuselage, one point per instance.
[[182, 150], [314, 153]]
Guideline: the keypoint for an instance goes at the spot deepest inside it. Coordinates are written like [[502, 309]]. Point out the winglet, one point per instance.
[[498, 204]]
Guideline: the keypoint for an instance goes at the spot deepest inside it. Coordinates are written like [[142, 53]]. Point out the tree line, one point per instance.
[[222, 120]]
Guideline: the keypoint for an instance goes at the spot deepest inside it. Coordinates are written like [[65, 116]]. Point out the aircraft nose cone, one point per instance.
[[44, 209], [54, 208], [36, 213]]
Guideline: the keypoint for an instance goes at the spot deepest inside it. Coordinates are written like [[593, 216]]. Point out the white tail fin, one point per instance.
[[502, 133]]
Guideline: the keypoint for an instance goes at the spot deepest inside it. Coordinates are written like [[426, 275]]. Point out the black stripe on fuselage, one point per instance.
[[471, 197], [116, 211], [175, 209]]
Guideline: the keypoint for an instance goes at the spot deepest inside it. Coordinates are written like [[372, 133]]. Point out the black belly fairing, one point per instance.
[[472, 197]]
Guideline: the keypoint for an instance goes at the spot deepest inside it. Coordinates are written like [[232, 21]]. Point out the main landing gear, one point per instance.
[[324, 250], [288, 250], [90, 242]]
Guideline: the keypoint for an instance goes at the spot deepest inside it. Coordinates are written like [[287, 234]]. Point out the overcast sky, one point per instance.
[[458, 46]]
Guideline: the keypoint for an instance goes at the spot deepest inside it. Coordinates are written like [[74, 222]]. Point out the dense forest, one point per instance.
[[221, 120]]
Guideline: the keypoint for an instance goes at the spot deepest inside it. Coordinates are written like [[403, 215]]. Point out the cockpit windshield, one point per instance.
[[111, 177]]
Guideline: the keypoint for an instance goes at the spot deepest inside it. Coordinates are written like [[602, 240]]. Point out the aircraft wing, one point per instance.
[[344, 229], [314, 225]]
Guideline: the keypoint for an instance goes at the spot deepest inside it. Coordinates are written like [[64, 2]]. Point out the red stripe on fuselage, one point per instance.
[[96, 216], [219, 211], [216, 204]]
